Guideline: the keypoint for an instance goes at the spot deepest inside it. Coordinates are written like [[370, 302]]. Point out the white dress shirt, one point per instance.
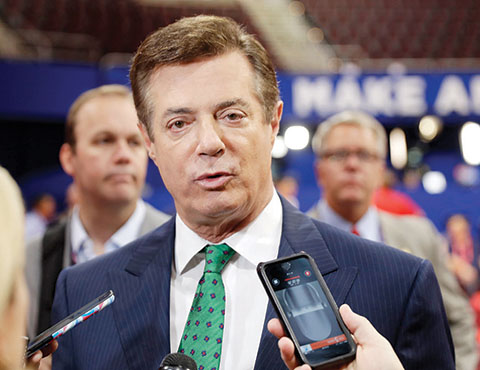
[[368, 226], [82, 245], [246, 300]]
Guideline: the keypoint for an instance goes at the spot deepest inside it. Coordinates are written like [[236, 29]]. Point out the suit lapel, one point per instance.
[[300, 233], [142, 307]]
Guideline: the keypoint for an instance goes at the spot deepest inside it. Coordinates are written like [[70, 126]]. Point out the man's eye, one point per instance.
[[340, 155], [104, 140], [178, 124], [233, 116], [135, 142], [364, 156]]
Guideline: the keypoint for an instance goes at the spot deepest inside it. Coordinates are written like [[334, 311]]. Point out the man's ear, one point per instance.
[[148, 142], [381, 175], [66, 157], [317, 170], [275, 121]]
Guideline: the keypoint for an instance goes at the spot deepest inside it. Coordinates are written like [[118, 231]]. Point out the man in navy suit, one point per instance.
[[207, 99]]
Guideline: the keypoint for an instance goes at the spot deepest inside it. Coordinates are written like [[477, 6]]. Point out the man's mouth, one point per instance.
[[120, 177], [213, 180]]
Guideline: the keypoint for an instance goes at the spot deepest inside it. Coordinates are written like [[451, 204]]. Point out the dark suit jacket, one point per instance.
[[51, 253], [396, 291]]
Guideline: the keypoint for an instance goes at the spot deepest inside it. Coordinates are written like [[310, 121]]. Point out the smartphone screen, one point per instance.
[[312, 318], [60, 328]]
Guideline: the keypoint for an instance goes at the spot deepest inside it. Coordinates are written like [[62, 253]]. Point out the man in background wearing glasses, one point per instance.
[[351, 150]]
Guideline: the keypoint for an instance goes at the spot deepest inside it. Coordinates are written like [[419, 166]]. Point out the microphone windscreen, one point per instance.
[[179, 360]]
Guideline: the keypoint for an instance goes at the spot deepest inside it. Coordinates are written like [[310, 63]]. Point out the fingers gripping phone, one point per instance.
[[60, 328], [307, 311]]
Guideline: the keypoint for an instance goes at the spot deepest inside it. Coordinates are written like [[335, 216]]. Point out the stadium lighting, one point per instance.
[[469, 139], [398, 148], [296, 137], [429, 127], [279, 149], [434, 182]]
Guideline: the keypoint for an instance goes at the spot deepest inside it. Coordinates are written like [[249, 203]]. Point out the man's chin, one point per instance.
[[122, 196], [217, 208], [352, 200]]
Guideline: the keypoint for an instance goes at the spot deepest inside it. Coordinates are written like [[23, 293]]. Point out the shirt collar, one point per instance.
[[368, 226], [130, 229], [128, 232], [258, 241], [78, 234]]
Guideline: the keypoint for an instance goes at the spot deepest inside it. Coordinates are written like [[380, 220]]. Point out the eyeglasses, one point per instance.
[[343, 155]]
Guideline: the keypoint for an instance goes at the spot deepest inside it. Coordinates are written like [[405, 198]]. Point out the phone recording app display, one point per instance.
[[308, 311]]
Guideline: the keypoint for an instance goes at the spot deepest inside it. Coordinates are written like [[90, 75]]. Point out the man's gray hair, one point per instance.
[[350, 117]]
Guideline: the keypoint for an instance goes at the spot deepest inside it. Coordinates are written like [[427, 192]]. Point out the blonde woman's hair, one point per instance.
[[12, 216]]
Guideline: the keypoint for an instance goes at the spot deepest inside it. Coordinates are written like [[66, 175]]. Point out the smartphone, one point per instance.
[[307, 311], [60, 328]]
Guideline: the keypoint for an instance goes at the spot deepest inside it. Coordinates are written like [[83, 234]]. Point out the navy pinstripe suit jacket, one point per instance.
[[396, 291]]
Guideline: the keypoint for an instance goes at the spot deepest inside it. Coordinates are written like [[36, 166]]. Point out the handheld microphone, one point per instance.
[[178, 361]]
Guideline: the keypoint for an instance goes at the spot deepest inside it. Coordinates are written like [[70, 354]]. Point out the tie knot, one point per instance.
[[217, 256], [354, 230]]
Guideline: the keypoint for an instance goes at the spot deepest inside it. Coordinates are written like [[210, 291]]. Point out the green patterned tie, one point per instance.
[[203, 333]]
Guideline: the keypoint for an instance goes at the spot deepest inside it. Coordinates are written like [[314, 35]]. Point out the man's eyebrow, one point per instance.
[[174, 111], [103, 132], [229, 103]]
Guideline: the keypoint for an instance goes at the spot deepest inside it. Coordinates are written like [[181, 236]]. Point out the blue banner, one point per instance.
[[390, 97]]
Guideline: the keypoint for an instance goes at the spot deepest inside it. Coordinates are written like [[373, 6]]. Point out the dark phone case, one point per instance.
[[332, 363], [44, 338]]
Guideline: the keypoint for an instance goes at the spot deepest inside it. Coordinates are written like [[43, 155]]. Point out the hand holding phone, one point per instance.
[[41, 359], [307, 311], [57, 330], [374, 352]]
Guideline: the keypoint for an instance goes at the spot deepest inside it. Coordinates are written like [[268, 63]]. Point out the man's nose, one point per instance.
[[210, 138], [352, 160], [123, 152]]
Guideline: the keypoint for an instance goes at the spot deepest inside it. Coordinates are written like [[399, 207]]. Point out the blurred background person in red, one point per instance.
[[390, 200]]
